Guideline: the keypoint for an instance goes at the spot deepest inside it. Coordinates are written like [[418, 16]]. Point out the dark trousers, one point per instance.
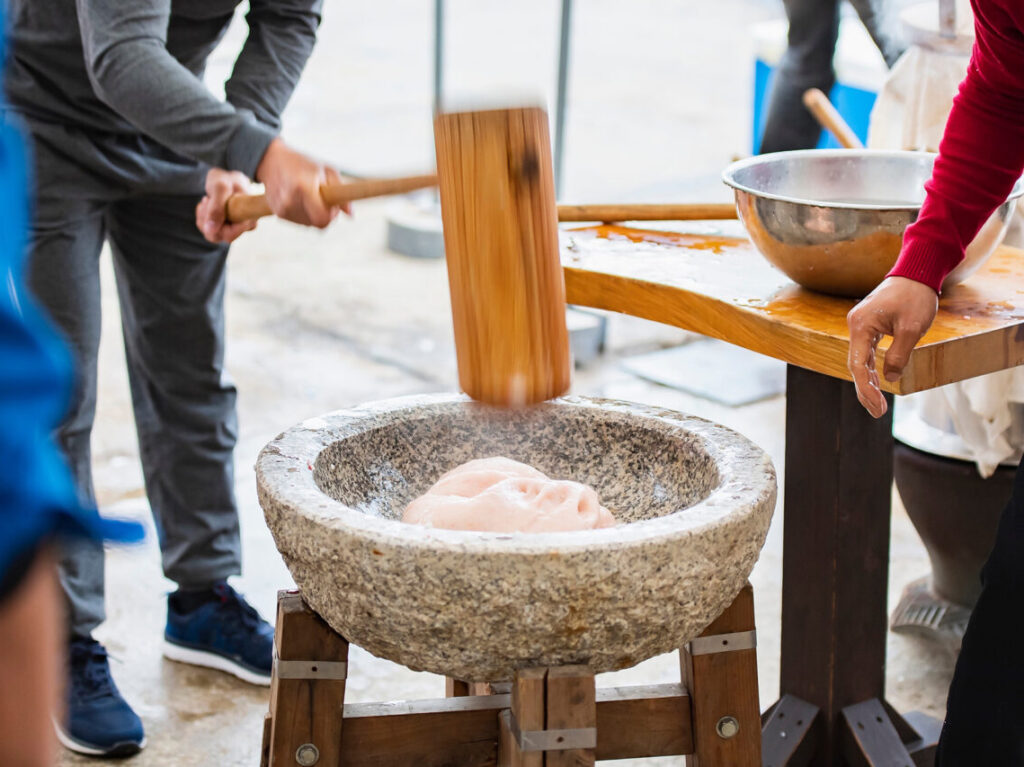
[[985, 713], [170, 281], [807, 63]]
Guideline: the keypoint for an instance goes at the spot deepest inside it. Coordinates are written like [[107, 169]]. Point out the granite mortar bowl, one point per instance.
[[833, 220], [694, 500]]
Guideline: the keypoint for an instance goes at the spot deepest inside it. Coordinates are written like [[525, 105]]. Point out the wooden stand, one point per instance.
[[546, 716]]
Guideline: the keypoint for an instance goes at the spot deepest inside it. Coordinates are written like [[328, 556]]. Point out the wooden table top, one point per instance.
[[721, 287]]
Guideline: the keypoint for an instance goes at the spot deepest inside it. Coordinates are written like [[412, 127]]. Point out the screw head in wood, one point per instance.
[[727, 727], [307, 755]]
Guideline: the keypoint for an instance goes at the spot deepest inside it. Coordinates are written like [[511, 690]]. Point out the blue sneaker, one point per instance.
[[100, 722], [224, 633]]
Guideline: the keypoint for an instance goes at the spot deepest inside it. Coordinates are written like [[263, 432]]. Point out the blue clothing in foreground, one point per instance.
[[38, 499]]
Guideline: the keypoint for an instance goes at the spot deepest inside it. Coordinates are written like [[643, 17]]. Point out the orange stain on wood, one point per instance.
[[675, 239]]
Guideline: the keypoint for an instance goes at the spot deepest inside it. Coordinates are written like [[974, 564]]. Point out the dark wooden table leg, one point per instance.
[[835, 552]]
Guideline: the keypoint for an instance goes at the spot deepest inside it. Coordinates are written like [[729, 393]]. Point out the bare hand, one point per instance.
[[293, 182], [901, 308], [210, 212]]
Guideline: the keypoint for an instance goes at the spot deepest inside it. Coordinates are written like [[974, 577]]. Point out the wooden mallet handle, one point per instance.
[[246, 207], [818, 105]]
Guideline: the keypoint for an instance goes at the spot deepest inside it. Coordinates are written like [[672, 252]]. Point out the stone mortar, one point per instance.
[[694, 499]]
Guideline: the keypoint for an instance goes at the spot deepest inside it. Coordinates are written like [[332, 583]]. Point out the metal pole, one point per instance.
[[438, 52], [563, 76], [415, 228]]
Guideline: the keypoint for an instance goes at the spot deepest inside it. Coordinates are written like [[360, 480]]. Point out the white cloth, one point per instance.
[[987, 412], [912, 107]]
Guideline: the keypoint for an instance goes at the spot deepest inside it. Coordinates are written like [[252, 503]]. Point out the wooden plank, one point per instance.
[[632, 722], [835, 550], [305, 710], [643, 721], [721, 287], [789, 734], [724, 684], [377, 717], [870, 739], [571, 705], [528, 704], [431, 733]]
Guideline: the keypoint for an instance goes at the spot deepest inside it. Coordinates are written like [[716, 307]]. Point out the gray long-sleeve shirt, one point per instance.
[[126, 67]]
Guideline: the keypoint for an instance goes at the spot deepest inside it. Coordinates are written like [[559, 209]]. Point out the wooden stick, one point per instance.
[[501, 244], [818, 105], [246, 207], [647, 212]]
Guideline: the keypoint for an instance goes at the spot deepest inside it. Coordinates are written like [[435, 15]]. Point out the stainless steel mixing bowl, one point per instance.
[[833, 219]]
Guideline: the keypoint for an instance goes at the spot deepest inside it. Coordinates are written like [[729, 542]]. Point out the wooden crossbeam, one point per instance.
[[632, 722]]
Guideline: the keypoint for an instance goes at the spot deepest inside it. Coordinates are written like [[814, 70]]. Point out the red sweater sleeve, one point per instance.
[[982, 150]]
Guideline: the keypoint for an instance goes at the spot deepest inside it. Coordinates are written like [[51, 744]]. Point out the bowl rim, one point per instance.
[[729, 177], [747, 480]]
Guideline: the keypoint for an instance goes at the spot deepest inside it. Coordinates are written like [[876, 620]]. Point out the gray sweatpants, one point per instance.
[[807, 63], [170, 281]]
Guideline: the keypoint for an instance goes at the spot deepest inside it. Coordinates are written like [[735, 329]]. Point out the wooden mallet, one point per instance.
[[501, 243]]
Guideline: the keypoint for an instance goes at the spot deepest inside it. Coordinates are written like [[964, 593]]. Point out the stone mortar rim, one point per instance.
[[746, 472]]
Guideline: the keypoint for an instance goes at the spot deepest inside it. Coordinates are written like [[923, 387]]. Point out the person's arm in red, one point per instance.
[[980, 157], [982, 151]]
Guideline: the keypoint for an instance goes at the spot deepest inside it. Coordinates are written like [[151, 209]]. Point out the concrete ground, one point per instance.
[[660, 96]]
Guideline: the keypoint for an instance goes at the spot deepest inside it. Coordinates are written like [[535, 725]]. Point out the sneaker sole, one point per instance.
[[212, 660], [118, 750]]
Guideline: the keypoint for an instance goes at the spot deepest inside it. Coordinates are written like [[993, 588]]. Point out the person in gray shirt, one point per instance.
[[131, 148]]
